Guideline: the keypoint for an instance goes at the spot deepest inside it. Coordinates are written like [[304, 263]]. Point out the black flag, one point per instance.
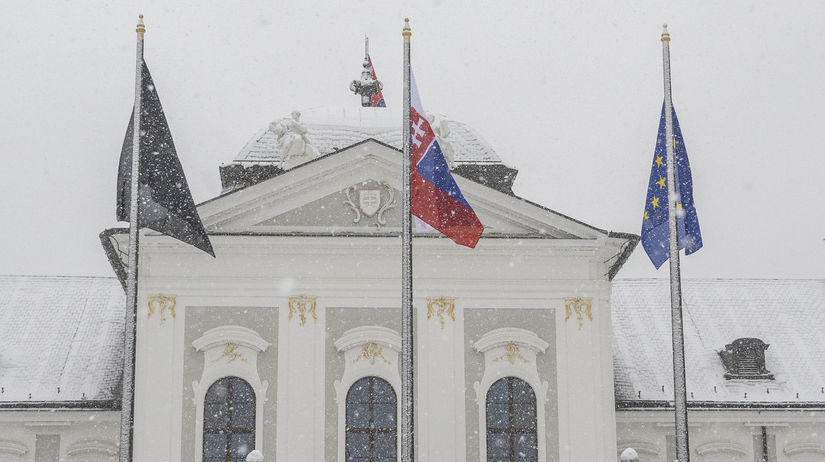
[[164, 199]]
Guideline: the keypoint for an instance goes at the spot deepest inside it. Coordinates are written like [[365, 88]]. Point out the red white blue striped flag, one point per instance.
[[436, 199]]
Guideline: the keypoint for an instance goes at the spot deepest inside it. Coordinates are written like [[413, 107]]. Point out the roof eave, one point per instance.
[[627, 249], [624, 405], [112, 253], [88, 405]]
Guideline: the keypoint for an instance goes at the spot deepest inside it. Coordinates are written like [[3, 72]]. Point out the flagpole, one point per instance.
[[127, 419], [679, 383], [407, 314]]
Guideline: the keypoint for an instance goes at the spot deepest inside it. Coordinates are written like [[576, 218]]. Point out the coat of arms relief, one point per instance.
[[374, 200]]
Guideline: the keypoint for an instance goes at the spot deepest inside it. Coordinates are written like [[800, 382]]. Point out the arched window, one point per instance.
[[371, 421], [228, 421], [511, 422]]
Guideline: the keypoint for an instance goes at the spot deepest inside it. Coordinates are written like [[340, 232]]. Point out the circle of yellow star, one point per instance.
[[655, 202], [659, 161]]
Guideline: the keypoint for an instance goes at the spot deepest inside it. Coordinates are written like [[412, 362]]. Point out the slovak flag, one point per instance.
[[378, 97], [436, 199]]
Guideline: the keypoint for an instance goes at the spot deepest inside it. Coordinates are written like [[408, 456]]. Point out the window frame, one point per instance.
[[217, 365], [357, 366], [371, 430], [230, 405], [500, 361], [512, 431]]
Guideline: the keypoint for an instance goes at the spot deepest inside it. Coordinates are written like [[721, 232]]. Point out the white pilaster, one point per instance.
[[301, 340], [441, 417], [155, 378]]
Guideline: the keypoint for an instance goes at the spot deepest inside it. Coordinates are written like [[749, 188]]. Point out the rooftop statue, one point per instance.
[[292, 141], [441, 128]]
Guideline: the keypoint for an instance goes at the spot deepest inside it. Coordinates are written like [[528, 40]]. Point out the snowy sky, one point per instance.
[[568, 92]]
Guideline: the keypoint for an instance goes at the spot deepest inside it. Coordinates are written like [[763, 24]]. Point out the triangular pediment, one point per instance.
[[358, 191]]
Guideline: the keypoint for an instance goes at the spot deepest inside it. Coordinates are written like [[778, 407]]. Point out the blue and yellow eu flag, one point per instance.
[[654, 225]]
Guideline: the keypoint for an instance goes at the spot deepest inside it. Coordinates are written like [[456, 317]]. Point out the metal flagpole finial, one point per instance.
[[407, 31], [141, 28], [665, 34]]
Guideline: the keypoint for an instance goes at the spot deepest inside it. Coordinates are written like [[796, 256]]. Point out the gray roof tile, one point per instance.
[[60, 331], [330, 129], [787, 314]]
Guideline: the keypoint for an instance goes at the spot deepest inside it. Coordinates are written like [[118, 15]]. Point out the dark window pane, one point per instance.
[[383, 392], [241, 445], [359, 392], [215, 416], [498, 415], [498, 392], [384, 446], [214, 445], [218, 392], [522, 392], [384, 415], [525, 447], [524, 416], [498, 446], [358, 416], [243, 416], [358, 445], [242, 392]]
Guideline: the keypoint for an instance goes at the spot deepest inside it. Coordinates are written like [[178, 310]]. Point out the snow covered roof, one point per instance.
[[789, 315], [61, 340], [332, 128]]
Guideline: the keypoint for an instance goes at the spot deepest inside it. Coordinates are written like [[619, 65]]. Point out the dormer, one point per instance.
[[744, 358]]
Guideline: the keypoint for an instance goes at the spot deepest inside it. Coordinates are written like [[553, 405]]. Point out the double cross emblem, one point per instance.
[[418, 130]]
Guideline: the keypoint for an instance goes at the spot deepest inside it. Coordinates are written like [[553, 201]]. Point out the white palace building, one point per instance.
[[527, 347]]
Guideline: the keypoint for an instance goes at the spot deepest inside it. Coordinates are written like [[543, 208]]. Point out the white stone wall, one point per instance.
[[726, 435], [267, 271], [85, 435]]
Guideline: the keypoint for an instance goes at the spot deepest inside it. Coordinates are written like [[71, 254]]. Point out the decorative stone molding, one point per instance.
[[237, 335], [368, 351], [360, 335], [721, 447], [581, 307], [642, 447], [511, 352], [13, 448], [804, 447], [162, 304], [303, 305], [229, 351], [441, 307], [500, 338], [92, 447], [371, 201]]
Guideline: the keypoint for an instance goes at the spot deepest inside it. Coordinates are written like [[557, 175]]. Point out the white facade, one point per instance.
[[303, 302], [727, 435], [277, 257], [69, 435]]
